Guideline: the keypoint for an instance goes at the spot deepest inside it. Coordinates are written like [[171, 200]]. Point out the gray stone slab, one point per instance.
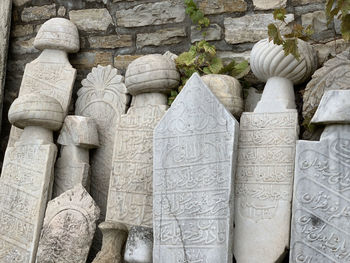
[[5, 24], [194, 158], [263, 185], [69, 226]]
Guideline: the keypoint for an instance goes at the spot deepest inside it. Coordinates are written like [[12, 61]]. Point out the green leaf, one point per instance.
[[241, 69], [279, 14], [345, 27], [207, 71], [216, 65], [290, 46], [185, 58], [274, 34]]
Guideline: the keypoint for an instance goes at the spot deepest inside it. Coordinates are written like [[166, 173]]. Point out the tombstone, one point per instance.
[[266, 155], [5, 24], [78, 135], [130, 190], [103, 97], [194, 163], [69, 226], [320, 223], [27, 174], [51, 74]]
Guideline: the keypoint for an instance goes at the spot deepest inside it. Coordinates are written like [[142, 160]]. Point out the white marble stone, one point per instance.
[[320, 225], [194, 159], [228, 90], [69, 226], [139, 245], [334, 75], [103, 97], [78, 135], [51, 74], [263, 186], [5, 24]]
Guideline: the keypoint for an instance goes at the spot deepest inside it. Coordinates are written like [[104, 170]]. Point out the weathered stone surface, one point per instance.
[[228, 90], [222, 6], [252, 99], [329, 50], [250, 28], [320, 229], [139, 245], [164, 12], [38, 13], [88, 60], [269, 4], [194, 156], [78, 135], [114, 236], [161, 37], [263, 186], [23, 46], [61, 11], [113, 41], [102, 97], [317, 20], [91, 19], [5, 24], [121, 62], [228, 56], [152, 73], [213, 32], [22, 30], [20, 2], [335, 74], [304, 2], [69, 225]]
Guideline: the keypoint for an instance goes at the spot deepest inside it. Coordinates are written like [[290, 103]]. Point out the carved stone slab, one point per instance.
[[5, 21], [263, 186], [69, 226], [194, 160], [24, 187], [321, 202], [130, 192], [102, 97]]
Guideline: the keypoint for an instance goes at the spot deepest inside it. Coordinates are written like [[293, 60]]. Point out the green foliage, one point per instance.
[[196, 15], [341, 10], [288, 41]]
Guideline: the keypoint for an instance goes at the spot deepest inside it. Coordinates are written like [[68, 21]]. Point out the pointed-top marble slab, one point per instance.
[[194, 159]]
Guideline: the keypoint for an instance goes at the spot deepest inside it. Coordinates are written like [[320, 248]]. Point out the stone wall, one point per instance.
[[114, 32]]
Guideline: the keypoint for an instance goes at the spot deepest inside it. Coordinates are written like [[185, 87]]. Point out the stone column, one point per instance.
[[51, 74], [266, 153], [69, 226], [27, 174], [5, 25], [148, 80], [78, 135], [103, 97], [194, 152], [321, 202]]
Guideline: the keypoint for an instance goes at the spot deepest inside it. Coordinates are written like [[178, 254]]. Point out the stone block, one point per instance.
[[194, 159], [22, 30], [263, 186], [87, 60], [69, 226], [91, 19], [38, 13], [112, 41], [161, 37], [269, 4], [250, 28], [121, 62], [158, 13], [213, 32], [317, 20], [23, 46], [211, 7]]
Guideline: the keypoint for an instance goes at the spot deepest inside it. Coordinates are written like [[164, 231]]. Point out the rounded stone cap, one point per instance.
[[151, 73], [58, 33], [228, 90], [36, 110], [268, 60]]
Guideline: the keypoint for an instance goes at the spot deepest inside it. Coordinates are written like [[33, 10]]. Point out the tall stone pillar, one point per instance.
[[266, 154], [27, 175], [148, 80], [321, 201], [194, 152]]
